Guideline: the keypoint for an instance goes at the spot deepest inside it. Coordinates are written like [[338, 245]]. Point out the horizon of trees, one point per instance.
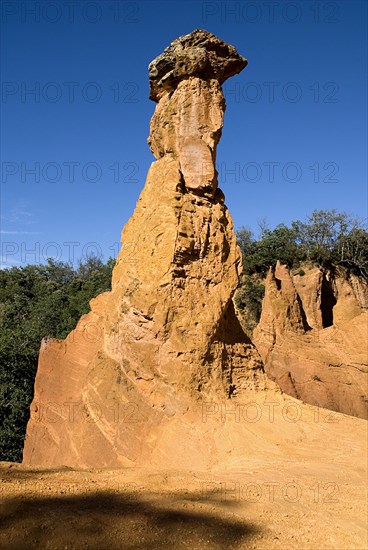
[[326, 237]]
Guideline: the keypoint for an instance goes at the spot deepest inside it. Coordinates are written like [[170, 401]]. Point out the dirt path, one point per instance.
[[272, 505]]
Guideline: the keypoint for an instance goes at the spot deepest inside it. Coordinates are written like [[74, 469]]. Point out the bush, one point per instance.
[[248, 301]]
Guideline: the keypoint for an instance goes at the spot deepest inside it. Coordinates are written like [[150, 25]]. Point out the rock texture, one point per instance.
[[312, 337], [126, 386]]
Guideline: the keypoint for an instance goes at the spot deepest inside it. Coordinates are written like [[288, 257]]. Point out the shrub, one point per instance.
[[248, 301]]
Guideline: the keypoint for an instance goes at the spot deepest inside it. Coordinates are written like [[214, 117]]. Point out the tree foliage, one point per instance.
[[37, 301], [326, 238]]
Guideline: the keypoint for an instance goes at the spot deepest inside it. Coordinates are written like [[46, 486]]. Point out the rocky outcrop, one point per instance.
[[198, 54], [312, 337], [166, 337], [186, 81]]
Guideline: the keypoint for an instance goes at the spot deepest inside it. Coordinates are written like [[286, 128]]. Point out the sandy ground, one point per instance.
[[270, 505], [281, 482]]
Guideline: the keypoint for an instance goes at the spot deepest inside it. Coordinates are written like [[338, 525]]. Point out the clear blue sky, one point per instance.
[[295, 126]]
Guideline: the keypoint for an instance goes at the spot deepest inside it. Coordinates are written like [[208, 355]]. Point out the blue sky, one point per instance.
[[294, 138]]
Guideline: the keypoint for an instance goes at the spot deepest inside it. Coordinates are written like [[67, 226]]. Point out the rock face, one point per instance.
[[166, 337], [312, 337]]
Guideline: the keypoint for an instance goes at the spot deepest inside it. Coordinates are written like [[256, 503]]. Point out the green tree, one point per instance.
[[351, 251], [37, 301], [325, 235], [277, 244]]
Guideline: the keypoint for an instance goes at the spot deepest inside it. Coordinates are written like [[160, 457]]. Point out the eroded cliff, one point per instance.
[[312, 336]]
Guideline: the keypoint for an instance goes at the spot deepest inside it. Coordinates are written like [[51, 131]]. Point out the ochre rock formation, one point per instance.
[[126, 386], [312, 337]]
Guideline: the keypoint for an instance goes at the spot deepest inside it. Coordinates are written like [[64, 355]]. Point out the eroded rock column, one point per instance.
[[166, 337]]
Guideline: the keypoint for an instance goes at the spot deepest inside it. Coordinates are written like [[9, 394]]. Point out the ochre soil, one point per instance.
[[285, 504]]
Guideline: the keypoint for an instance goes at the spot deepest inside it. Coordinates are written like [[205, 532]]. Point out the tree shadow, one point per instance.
[[124, 520]]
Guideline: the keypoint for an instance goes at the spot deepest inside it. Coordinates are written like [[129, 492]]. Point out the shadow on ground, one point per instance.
[[128, 520]]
